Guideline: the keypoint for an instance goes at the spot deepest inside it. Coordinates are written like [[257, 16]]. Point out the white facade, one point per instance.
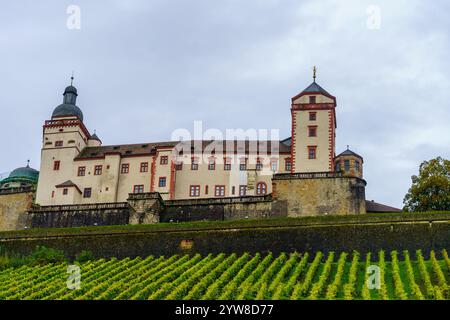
[[77, 169]]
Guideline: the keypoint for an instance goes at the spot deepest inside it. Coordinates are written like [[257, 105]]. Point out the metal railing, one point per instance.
[[77, 207], [307, 175], [17, 190]]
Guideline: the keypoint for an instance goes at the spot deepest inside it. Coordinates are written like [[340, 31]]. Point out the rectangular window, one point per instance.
[[194, 164], [81, 171], [53, 194], [242, 190], [139, 188], [312, 99], [125, 168], [219, 191], [87, 192], [259, 164], [233, 190], [194, 191], [337, 167], [162, 182], [65, 191], [144, 167], [274, 165], [227, 164], [58, 143], [356, 165], [212, 164], [98, 170], [347, 165], [312, 131], [287, 165], [179, 166], [243, 165], [312, 116], [312, 152], [56, 165], [206, 189], [164, 160]]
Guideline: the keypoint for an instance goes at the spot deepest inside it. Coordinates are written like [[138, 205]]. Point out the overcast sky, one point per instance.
[[145, 68]]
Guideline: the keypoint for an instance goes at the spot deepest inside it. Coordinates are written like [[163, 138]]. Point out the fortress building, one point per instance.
[[77, 169]]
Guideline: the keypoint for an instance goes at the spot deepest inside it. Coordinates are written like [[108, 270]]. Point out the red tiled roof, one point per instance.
[[143, 149], [372, 206]]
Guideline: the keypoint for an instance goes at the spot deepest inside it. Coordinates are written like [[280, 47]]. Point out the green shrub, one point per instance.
[[44, 255], [84, 256]]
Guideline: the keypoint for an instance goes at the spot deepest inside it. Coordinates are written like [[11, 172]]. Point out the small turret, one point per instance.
[[94, 141], [349, 163]]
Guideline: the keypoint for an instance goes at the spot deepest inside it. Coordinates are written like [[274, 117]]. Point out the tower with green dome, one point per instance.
[[23, 178]]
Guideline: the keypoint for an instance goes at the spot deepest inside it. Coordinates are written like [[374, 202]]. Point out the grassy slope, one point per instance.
[[230, 224]]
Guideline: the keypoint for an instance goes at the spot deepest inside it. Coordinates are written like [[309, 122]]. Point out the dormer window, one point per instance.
[[312, 99]]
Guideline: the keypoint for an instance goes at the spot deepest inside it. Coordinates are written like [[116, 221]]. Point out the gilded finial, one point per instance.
[[314, 73]]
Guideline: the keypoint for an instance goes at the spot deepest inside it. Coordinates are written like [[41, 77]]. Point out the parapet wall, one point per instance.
[[66, 216], [231, 208]]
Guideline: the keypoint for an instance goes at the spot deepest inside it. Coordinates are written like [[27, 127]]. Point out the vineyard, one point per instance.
[[403, 275]]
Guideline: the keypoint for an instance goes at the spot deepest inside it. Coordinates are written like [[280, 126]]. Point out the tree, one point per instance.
[[430, 191]]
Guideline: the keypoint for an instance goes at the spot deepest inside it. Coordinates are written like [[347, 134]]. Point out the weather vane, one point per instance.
[[314, 73]]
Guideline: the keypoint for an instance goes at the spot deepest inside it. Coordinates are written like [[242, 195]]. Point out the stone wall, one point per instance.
[[294, 195], [365, 237], [231, 208], [79, 215], [13, 209], [310, 194]]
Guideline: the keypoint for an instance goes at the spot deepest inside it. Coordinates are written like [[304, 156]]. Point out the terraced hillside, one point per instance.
[[403, 275]]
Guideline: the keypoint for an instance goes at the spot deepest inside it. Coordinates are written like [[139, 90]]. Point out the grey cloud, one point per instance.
[[145, 68]]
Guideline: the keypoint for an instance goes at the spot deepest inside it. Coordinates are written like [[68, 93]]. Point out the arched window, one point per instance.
[[261, 188]]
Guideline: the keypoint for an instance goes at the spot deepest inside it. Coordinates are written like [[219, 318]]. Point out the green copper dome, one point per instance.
[[25, 172], [20, 177]]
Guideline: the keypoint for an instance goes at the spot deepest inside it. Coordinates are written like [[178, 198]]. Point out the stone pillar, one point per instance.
[[145, 208]]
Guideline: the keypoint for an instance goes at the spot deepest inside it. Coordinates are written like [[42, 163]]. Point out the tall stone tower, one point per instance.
[[313, 130], [64, 136]]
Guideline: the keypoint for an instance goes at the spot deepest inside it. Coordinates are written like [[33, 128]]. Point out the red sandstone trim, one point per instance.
[[331, 126], [172, 180], [153, 173], [309, 107], [67, 123], [293, 130]]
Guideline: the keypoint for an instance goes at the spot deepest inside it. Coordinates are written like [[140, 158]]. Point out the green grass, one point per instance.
[[201, 277], [230, 224]]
